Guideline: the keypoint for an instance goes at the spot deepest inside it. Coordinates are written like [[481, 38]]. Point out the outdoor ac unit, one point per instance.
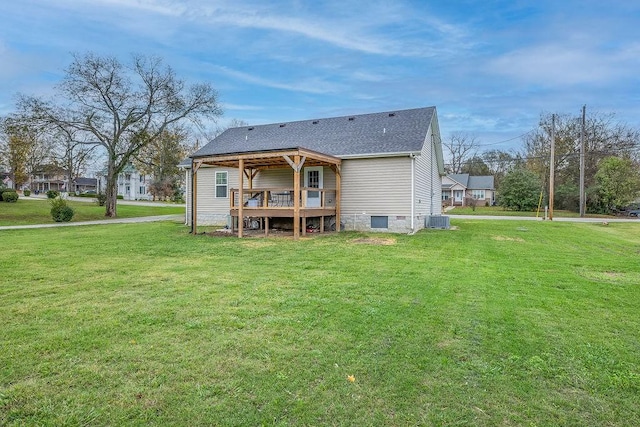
[[438, 222]]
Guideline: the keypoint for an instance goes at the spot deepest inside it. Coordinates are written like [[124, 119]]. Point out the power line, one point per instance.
[[506, 140]]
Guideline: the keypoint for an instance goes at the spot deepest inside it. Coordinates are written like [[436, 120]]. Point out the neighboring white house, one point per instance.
[[378, 171], [5, 180], [132, 184], [456, 188]]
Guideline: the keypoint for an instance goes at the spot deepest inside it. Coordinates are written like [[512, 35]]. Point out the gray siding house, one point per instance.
[[379, 171], [459, 189]]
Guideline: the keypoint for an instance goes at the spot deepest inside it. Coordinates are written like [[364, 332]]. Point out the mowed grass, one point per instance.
[[26, 211], [495, 323]]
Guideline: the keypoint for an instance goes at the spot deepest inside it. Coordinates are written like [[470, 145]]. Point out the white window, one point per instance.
[[141, 178], [221, 185], [141, 190], [445, 195], [477, 194]]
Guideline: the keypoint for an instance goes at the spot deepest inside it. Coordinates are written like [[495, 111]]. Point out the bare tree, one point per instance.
[[71, 154], [461, 147], [121, 109], [500, 163]]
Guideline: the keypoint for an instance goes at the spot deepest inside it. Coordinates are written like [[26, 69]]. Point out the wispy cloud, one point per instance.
[[557, 64], [313, 85], [367, 29], [238, 107]]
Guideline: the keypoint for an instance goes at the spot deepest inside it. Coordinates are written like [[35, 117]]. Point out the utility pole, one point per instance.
[[582, 130], [552, 165]]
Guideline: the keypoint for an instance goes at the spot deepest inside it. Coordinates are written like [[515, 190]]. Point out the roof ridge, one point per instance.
[[346, 116]]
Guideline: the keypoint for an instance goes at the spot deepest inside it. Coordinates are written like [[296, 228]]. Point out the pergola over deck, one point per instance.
[[249, 164]]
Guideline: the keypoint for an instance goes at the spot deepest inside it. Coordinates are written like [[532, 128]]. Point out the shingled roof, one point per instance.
[[391, 132], [475, 182]]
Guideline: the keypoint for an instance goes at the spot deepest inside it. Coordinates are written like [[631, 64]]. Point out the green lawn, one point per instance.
[[494, 323], [26, 211], [499, 211]]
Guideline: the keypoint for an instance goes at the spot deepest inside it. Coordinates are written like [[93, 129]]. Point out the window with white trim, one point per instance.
[[477, 194], [221, 185]]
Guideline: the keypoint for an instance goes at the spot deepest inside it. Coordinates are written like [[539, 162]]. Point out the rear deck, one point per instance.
[[263, 204]]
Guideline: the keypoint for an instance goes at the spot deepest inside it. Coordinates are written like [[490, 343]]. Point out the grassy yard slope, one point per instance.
[[496, 323], [26, 212]]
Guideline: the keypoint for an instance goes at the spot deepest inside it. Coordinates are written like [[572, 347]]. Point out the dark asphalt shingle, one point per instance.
[[402, 131]]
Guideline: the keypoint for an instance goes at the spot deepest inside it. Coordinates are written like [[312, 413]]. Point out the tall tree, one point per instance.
[[159, 159], [70, 154], [618, 182], [475, 166], [121, 109], [603, 137], [24, 148], [460, 147], [500, 163], [520, 190]]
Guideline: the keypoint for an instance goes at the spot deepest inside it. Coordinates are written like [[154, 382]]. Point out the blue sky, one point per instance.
[[490, 67]]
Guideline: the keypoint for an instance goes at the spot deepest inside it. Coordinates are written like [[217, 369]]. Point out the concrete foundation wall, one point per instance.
[[396, 223]]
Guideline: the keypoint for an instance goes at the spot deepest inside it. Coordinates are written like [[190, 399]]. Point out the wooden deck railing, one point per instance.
[[282, 198]]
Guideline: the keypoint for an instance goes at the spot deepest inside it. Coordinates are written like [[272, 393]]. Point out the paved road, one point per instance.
[[101, 221], [531, 218], [120, 202]]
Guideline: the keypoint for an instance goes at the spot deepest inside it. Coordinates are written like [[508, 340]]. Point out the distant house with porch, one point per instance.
[[52, 177], [458, 188], [49, 177], [378, 171]]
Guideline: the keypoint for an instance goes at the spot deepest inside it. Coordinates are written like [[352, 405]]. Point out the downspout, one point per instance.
[[413, 192], [432, 154]]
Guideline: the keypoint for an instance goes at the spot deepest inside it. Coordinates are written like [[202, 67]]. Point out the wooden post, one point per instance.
[[296, 198], [250, 176], [338, 181], [552, 165], [241, 198]]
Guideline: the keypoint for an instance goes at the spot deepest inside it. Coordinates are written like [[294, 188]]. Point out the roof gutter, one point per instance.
[[379, 155], [413, 191]]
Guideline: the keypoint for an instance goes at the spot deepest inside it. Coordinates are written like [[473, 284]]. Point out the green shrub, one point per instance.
[[52, 194], [101, 199], [27, 192], [60, 211], [10, 196]]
